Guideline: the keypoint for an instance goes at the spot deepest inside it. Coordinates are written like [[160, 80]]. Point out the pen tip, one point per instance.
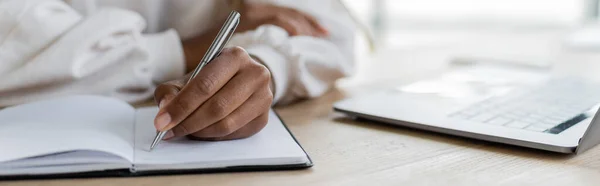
[[157, 139]]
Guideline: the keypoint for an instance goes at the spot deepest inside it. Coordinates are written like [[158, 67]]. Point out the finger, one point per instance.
[[223, 103], [253, 127], [320, 28], [304, 28], [302, 25], [314, 23], [284, 22], [214, 76], [254, 107]]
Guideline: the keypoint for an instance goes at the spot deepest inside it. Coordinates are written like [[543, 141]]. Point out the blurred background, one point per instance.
[[414, 32]]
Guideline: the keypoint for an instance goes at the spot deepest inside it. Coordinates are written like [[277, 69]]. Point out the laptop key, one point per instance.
[[460, 115], [545, 125], [536, 128], [482, 117], [499, 121], [469, 113], [517, 124], [529, 120]]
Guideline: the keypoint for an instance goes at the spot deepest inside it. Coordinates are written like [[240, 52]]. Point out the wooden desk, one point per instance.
[[348, 152]]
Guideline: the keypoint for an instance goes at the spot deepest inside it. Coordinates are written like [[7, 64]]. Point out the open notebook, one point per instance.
[[100, 136]]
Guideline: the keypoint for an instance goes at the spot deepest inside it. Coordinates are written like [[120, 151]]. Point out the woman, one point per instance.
[[132, 49]]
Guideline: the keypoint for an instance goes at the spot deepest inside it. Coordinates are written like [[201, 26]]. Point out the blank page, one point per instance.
[[273, 145], [67, 124]]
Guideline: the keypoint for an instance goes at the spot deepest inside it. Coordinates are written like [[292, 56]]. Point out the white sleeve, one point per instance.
[[47, 49], [302, 66]]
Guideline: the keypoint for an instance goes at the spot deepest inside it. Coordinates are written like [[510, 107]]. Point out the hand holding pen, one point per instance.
[[228, 99]]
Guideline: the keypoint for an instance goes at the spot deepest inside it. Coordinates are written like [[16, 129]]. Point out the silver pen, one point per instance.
[[213, 51]]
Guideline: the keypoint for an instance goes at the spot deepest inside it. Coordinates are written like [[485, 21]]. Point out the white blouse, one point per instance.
[[124, 48]]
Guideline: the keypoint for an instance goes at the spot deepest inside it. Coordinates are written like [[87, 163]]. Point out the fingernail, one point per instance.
[[324, 30], [162, 120], [161, 104], [168, 135]]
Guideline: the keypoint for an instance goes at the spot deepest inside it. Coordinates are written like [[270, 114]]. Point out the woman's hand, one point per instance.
[[293, 21], [229, 99], [253, 15]]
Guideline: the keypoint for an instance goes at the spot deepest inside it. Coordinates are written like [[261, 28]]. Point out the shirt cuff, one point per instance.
[[278, 66], [166, 56]]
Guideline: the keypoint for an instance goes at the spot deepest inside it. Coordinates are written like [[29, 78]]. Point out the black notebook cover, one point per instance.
[[128, 173]]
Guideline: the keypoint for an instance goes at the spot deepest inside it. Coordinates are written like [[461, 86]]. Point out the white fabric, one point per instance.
[[123, 48]]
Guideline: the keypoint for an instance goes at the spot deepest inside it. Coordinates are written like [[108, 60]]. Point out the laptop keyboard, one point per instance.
[[552, 107]]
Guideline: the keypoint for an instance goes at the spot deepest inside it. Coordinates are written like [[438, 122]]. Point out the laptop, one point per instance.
[[504, 104]]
